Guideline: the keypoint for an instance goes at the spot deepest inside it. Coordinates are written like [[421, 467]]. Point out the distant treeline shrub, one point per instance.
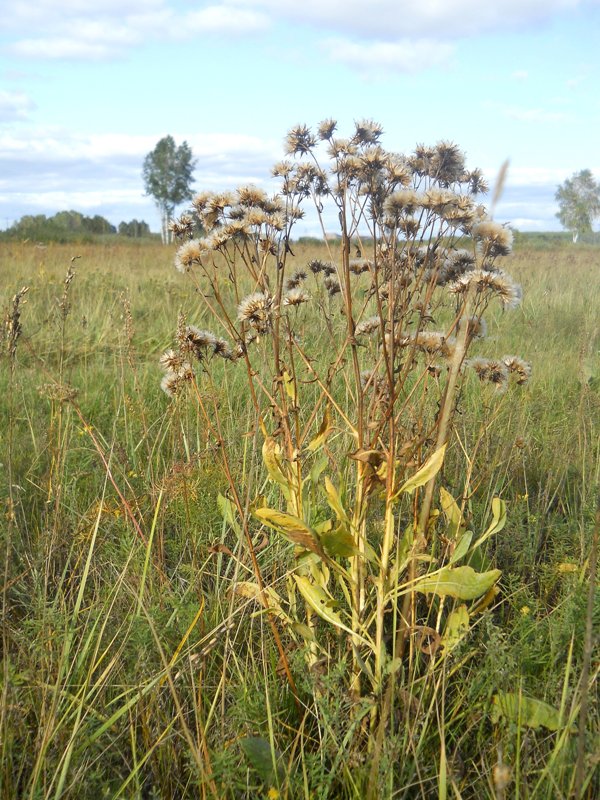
[[66, 226]]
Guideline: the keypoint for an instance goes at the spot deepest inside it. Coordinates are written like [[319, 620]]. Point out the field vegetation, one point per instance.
[[199, 601]]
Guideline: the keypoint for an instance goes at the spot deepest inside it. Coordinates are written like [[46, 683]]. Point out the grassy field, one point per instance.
[[131, 666]]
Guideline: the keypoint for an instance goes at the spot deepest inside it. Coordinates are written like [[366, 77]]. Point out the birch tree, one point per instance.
[[579, 203], [167, 178]]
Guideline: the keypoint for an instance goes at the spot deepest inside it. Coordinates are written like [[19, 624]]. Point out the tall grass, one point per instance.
[[130, 666]]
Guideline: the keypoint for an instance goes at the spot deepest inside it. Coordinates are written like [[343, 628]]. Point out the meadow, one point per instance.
[[135, 666]]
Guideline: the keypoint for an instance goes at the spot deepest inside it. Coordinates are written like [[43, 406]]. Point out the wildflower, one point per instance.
[[518, 367], [476, 182], [495, 239], [435, 343], [188, 254], [398, 171], [490, 370], [251, 196], [497, 282], [195, 341], [299, 140], [476, 327], [172, 361], [367, 131], [326, 128], [332, 285], [447, 163], [173, 382], [184, 226], [316, 265], [295, 279], [367, 326], [404, 201], [359, 265], [341, 148], [456, 264], [296, 296], [222, 348], [256, 311], [282, 169]]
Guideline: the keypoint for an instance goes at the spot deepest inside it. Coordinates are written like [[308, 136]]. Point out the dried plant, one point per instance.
[[355, 430]]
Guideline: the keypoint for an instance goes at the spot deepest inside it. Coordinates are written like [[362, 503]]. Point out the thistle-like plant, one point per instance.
[[354, 363]]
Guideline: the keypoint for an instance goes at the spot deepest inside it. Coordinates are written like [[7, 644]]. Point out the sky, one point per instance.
[[88, 87]]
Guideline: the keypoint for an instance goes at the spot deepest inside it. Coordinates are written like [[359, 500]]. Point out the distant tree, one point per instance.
[[134, 229], [579, 203], [167, 178]]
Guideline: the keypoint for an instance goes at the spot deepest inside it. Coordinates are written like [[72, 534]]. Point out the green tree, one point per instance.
[[579, 203], [167, 178]]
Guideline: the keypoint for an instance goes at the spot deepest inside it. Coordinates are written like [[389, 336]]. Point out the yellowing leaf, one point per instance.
[[461, 582], [525, 711], [290, 526], [339, 542], [452, 513], [335, 502], [319, 601], [428, 471], [267, 599], [322, 433], [290, 386], [271, 452], [457, 626]]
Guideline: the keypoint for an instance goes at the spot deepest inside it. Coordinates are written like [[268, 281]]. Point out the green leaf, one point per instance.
[[261, 758], [229, 512], [428, 471], [525, 711], [498, 522], [462, 547], [460, 582], [339, 542], [290, 526]]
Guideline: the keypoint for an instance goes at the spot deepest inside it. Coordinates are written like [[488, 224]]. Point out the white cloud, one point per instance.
[[520, 75], [376, 57], [14, 106], [107, 29], [391, 19]]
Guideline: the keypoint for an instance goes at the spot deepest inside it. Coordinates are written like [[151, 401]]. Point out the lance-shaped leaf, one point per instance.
[[428, 471], [339, 542], [271, 453], [498, 522], [229, 512], [319, 601], [452, 513], [322, 433], [289, 526], [525, 711], [460, 582], [335, 502]]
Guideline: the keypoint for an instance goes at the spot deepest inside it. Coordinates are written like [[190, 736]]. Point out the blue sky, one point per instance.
[[87, 88]]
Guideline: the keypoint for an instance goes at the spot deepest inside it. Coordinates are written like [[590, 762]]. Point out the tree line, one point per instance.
[[68, 226]]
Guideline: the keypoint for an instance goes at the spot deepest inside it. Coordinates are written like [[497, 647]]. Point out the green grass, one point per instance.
[[130, 669]]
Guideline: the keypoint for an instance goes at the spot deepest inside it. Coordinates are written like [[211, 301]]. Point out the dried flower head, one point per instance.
[[518, 367], [173, 382], [490, 370], [326, 129], [497, 282], [435, 343], [195, 341], [184, 226], [476, 328], [367, 131], [447, 163], [222, 348], [188, 254], [359, 265], [251, 196], [296, 296], [299, 140], [295, 279], [256, 311], [404, 201], [332, 285], [493, 238], [368, 326]]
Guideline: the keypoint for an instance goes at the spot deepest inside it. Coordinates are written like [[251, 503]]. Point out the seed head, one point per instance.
[[299, 140], [296, 296], [490, 370], [326, 129], [518, 367], [368, 326], [188, 254], [256, 311], [493, 238], [332, 285], [476, 328], [359, 265], [367, 131]]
